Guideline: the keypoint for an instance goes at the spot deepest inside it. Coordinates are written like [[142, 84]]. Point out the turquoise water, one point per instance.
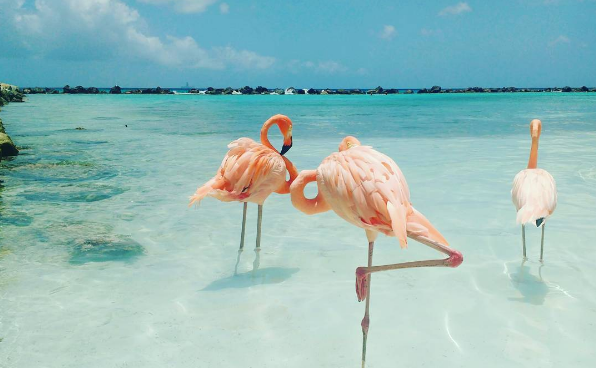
[[103, 265]]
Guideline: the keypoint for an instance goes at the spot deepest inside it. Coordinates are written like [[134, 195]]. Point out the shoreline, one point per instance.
[[260, 90], [8, 93]]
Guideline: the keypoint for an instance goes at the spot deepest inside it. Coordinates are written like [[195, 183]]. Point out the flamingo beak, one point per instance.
[[286, 147]]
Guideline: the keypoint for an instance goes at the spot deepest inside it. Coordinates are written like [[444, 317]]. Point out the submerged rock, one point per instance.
[[104, 249]]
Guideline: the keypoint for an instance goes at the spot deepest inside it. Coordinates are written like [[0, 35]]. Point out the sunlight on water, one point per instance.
[[102, 264]]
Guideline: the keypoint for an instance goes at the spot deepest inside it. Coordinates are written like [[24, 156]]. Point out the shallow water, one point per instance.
[[103, 265]]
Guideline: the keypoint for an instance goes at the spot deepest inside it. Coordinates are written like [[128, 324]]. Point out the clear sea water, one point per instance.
[[102, 264]]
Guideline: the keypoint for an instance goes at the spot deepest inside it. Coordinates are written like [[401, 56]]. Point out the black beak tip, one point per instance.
[[285, 149]]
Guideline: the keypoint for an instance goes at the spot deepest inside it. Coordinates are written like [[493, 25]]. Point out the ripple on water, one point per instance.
[[63, 171], [73, 193], [15, 218]]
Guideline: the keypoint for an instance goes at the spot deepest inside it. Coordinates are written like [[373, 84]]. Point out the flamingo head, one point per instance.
[[535, 128], [285, 127], [348, 142]]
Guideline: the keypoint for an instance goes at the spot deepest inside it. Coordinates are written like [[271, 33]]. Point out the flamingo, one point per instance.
[[368, 190], [534, 192], [250, 172]]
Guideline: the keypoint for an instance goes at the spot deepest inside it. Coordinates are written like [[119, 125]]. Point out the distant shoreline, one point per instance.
[[246, 90]]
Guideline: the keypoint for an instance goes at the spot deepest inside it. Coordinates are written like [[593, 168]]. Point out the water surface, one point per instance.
[[103, 265]]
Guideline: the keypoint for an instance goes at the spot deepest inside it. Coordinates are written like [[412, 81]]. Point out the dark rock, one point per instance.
[[435, 89], [80, 128], [228, 91], [584, 89], [355, 92], [260, 90], [116, 90], [7, 146], [566, 89], [312, 91], [391, 91], [280, 91], [300, 91], [422, 91], [246, 90]]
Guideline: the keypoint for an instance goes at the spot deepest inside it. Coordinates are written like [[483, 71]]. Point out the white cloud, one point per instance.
[[388, 32], [109, 29], [224, 8], [458, 8], [320, 67], [243, 58], [559, 40], [362, 71], [184, 6]]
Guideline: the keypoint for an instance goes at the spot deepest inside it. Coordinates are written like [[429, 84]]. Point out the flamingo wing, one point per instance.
[[367, 189], [249, 172], [534, 195]]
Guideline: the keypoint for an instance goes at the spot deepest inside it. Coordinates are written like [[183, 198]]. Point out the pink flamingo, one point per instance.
[[367, 189], [250, 172], [534, 192]]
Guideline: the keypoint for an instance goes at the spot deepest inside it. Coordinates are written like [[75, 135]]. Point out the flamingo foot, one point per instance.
[[361, 283], [455, 259]]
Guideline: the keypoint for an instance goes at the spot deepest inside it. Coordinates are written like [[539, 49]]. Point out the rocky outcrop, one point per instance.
[[246, 90], [7, 146], [150, 91], [261, 90], [8, 93], [40, 90], [81, 90]]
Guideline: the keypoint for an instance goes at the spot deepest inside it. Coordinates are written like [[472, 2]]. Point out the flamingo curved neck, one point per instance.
[[306, 205], [285, 188], [533, 161], [265, 131]]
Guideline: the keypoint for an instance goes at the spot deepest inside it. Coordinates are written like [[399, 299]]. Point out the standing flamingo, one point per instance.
[[534, 192], [367, 189], [250, 172]]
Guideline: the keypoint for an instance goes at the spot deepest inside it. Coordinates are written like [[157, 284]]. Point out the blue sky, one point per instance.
[[276, 43]]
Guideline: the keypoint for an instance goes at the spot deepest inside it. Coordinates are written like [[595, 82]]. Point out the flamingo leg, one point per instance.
[[243, 227], [241, 238], [542, 244], [257, 261], [366, 321], [455, 259], [524, 239]]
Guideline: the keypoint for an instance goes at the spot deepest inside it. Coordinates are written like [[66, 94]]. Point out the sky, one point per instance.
[[300, 43]]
